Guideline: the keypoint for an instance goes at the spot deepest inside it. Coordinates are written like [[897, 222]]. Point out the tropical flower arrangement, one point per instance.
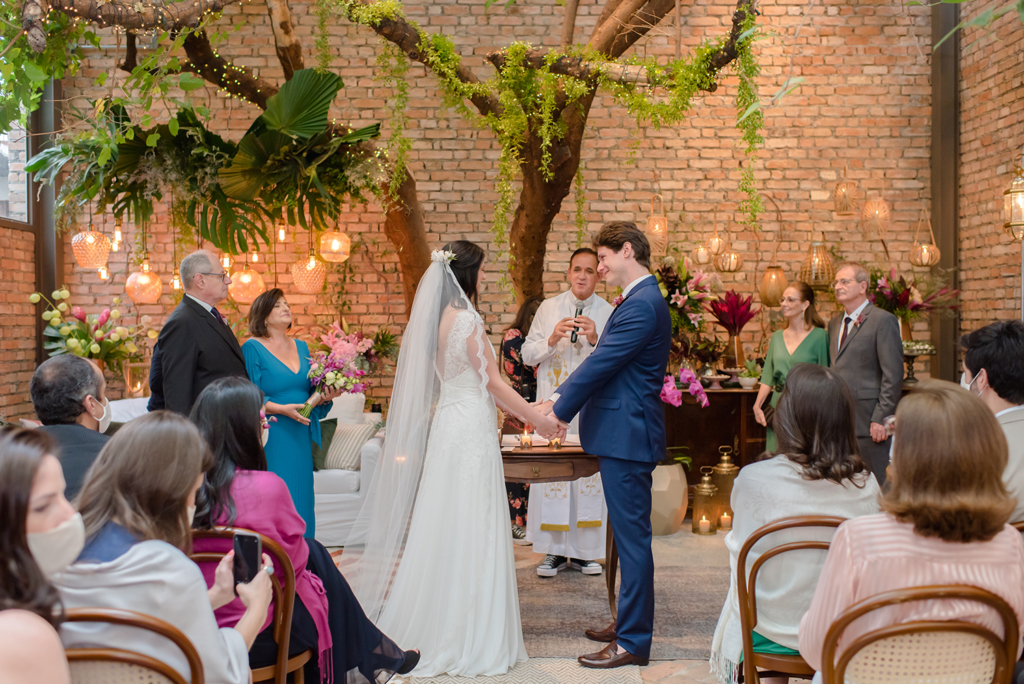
[[913, 298], [732, 311], [102, 337], [672, 391], [686, 290], [345, 360]]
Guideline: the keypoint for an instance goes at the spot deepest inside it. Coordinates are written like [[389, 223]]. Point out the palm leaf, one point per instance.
[[361, 135], [248, 174], [300, 108]]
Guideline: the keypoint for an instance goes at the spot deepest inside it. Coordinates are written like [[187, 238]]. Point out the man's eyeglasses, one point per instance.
[[844, 282], [223, 275]]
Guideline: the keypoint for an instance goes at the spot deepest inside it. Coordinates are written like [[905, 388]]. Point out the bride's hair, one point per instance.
[[466, 267]]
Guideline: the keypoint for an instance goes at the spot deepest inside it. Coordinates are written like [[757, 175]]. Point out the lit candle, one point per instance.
[[526, 441], [726, 522], [705, 525], [556, 443]]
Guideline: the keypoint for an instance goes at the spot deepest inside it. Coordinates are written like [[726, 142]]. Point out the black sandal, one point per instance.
[[412, 659]]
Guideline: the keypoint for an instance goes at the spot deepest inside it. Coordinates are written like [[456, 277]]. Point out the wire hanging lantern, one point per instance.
[[927, 254], [657, 228], [817, 269], [843, 195], [875, 216], [729, 260]]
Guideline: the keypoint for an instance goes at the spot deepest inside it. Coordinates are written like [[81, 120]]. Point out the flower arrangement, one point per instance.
[[686, 290], [911, 299], [102, 337], [672, 391], [916, 348], [345, 360], [732, 311]]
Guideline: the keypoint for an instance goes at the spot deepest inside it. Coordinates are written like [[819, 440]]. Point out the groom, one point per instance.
[[616, 391]]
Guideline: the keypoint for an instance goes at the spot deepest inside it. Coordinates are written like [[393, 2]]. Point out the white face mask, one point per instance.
[[191, 515], [104, 420], [58, 548], [968, 385]]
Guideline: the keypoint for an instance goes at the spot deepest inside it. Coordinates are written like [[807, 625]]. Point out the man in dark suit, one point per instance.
[[196, 344], [616, 391], [69, 395], [866, 350]]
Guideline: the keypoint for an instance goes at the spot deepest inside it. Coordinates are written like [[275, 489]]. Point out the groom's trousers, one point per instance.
[[627, 488]]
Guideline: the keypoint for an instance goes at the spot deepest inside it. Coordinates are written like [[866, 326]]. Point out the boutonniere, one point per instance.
[[617, 301], [860, 319]]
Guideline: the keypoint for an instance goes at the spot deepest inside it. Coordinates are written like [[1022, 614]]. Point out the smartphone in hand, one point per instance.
[[248, 554]]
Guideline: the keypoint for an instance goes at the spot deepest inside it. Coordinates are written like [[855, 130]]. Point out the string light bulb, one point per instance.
[[117, 232], [103, 273], [255, 256], [281, 234], [227, 261], [176, 281]]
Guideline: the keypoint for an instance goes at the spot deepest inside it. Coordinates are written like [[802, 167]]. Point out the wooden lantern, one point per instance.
[[875, 217], [817, 270], [657, 228]]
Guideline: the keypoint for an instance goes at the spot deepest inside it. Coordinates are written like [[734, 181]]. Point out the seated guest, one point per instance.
[[238, 491], [817, 471], [41, 534], [993, 367], [943, 521], [69, 396], [137, 504]]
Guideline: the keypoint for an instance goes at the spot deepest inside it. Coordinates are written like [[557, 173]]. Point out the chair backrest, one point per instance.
[[284, 596], [1019, 525], [924, 650], [745, 587], [110, 665]]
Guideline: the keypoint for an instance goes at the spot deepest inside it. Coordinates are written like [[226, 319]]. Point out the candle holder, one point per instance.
[[555, 444], [725, 522], [526, 441], [705, 520]]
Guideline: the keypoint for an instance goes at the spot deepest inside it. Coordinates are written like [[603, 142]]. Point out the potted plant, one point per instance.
[[732, 313], [670, 492], [750, 374]]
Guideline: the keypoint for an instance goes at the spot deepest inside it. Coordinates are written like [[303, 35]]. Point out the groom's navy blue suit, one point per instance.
[[617, 392]]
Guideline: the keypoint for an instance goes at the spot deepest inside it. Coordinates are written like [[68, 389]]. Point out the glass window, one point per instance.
[[13, 179]]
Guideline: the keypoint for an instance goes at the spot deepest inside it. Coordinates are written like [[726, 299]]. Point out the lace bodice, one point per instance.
[[463, 346]]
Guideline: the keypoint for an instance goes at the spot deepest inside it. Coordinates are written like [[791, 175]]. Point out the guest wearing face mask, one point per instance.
[[69, 396], [40, 535], [137, 505]]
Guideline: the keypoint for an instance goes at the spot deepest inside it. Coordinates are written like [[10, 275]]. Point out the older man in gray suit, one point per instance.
[[866, 351]]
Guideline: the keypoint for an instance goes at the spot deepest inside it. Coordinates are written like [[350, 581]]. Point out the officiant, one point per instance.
[[568, 520]]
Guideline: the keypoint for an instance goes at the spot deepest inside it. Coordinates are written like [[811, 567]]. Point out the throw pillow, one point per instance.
[[327, 428], [348, 442]]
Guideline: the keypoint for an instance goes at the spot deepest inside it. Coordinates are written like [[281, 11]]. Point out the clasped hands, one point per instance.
[[553, 427]]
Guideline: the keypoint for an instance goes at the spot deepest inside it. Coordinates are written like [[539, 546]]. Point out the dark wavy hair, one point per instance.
[[22, 584], [946, 475], [466, 266], [524, 317], [227, 414], [261, 308], [814, 424]]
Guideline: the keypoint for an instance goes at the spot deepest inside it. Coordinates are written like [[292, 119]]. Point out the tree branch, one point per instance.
[[643, 20], [569, 22], [206, 63], [604, 35], [289, 49], [408, 39]]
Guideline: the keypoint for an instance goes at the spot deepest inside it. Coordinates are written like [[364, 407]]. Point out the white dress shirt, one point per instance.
[[208, 307], [629, 288], [853, 316]]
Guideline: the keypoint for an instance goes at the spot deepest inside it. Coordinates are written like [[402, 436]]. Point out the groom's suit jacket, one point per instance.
[[617, 389]]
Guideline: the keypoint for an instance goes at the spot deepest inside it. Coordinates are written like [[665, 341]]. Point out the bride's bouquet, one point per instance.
[[345, 361]]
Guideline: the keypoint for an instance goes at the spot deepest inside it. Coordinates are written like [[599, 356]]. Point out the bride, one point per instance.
[[434, 564]]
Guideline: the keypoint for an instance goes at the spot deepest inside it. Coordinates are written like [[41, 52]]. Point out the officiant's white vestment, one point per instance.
[[566, 518]]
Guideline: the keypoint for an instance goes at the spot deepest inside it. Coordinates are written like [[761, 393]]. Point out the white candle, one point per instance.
[[526, 441], [726, 522], [705, 525]]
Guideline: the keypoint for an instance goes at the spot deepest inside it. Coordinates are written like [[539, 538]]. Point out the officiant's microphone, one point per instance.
[[579, 312]]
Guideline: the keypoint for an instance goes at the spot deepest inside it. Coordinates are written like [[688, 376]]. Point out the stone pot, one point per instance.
[[669, 499]]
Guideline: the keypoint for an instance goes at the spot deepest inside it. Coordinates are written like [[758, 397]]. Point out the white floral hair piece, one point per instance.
[[445, 256]]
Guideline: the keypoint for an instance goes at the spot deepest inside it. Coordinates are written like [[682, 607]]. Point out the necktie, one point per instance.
[[846, 329], [217, 315]]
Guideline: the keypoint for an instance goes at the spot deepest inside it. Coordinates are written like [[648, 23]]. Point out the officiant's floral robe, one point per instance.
[[524, 381]]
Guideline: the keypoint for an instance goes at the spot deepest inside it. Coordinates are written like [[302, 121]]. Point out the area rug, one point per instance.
[[543, 671], [556, 611]]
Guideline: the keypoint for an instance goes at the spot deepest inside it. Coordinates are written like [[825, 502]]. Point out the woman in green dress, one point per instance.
[[803, 340]]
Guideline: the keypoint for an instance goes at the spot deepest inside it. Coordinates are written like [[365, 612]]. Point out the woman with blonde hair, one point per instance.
[[943, 521], [803, 340], [137, 505]]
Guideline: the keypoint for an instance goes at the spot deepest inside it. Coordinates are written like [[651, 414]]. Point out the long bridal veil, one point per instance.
[[375, 544]]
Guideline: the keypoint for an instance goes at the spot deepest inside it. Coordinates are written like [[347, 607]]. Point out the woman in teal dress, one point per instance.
[[803, 340], [279, 365]]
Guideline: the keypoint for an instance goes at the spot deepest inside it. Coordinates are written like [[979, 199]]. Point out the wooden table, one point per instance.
[[727, 421], [543, 464]]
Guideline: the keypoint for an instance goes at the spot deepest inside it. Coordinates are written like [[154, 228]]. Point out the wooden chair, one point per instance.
[[1019, 525], [774, 665], [284, 604], [105, 665], [939, 652]]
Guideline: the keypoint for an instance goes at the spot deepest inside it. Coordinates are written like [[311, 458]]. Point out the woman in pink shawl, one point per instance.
[[239, 492]]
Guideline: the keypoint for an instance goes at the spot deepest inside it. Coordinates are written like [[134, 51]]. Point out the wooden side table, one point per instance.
[[543, 464]]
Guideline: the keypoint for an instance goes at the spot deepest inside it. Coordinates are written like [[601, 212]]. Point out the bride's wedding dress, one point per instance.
[[454, 596]]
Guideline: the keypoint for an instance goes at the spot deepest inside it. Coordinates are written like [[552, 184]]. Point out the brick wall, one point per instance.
[[18, 332], [991, 136], [864, 104]]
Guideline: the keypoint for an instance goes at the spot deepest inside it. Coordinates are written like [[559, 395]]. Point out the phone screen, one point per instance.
[[248, 551]]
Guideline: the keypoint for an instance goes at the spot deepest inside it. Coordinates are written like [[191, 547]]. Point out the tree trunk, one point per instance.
[[403, 224]]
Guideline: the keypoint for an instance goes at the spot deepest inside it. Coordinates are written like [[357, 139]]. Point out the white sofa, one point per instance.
[[340, 493]]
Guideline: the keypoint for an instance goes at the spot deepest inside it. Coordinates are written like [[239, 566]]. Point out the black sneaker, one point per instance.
[[518, 535], [551, 566], [587, 567]]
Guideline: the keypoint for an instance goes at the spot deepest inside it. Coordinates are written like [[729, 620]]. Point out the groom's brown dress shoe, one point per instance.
[[609, 657], [603, 635]]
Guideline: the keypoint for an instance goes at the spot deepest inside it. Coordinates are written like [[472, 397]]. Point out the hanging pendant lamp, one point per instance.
[[927, 254], [657, 228]]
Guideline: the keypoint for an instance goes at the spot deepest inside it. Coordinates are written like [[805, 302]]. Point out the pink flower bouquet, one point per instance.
[[672, 392], [346, 360]]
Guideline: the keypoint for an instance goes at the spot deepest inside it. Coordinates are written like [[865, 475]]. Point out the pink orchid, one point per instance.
[[678, 299], [669, 393], [76, 312], [104, 317], [617, 301], [689, 378]]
